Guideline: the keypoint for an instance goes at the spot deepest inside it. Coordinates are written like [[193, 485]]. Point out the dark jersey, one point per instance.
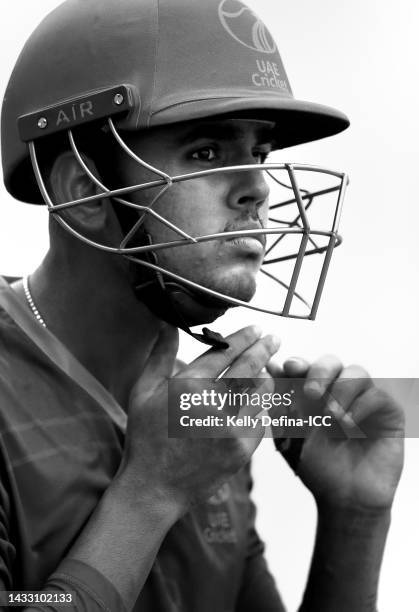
[[61, 441]]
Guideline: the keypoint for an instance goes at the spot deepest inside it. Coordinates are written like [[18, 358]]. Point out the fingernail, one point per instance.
[[295, 364], [257, 331], [313, 389], [296, 360]]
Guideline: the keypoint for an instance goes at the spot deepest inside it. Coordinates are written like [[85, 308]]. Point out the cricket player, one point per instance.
[[144, 126]]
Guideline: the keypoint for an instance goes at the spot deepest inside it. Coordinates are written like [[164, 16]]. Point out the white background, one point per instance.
[[361, 57]]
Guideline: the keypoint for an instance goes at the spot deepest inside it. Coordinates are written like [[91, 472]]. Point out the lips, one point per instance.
[[249, 246], [249, 228]]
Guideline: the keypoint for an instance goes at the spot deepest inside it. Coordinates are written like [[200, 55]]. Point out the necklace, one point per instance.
[[31, 303]]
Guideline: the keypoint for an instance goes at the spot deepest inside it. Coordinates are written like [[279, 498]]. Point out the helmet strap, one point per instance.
[[158, 295]]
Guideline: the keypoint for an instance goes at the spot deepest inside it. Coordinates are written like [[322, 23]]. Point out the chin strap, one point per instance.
[[160, 300], [158, 295]]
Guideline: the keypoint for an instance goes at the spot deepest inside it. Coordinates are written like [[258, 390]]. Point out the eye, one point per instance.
[[206, 154]]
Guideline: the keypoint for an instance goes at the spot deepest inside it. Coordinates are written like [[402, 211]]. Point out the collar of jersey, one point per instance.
[[59, 354]]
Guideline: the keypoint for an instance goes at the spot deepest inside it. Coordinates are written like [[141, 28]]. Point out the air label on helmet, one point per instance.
[[78, 111]]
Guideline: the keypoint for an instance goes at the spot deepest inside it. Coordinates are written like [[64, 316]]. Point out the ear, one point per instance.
[[69, 182]]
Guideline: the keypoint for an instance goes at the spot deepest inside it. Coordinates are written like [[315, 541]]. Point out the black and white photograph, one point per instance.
[[209, 387]]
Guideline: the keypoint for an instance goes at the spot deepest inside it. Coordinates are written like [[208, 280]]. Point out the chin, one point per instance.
[[200, 308], [239, 285]]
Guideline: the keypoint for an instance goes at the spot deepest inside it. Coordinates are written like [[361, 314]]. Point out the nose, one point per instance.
[[249, 189]]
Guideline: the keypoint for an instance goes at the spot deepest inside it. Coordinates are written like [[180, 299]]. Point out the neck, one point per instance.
[[90, 307]]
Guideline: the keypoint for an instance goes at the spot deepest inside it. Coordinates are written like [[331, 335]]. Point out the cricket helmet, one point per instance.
[[135, 64], [180, 60]]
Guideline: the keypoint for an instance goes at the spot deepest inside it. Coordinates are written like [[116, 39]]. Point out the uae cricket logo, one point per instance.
[[245, 27]]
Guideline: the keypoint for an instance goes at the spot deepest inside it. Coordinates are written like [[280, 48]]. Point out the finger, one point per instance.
[[353, 381], [320, 374], [296, 367], [250, 363], [161, 361], [251, 433], [377, 413], [255, 410], [264, 389], [275, 369], [212, 363], [285, 376]]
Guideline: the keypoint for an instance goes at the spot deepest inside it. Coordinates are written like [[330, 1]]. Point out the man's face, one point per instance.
[[217, 203]]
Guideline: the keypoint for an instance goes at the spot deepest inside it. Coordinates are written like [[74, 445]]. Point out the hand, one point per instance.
[[349, 471], [189, 470]]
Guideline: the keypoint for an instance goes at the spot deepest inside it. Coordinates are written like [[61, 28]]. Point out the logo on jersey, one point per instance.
[[219, 528], [221, 496], [246, 27]]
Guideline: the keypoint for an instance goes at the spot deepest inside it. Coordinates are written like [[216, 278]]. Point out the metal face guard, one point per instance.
[[297, 228]]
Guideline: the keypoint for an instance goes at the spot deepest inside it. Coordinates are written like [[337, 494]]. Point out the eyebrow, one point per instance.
[[226, 132]]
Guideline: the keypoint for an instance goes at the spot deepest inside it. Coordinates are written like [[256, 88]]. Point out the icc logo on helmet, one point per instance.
[[245, 27]]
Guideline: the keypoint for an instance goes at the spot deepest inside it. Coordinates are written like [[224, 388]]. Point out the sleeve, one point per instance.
[[90, 590], [7, 550], [258, 591]]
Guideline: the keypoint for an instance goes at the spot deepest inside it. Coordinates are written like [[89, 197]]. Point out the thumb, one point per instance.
[[161, 361]]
